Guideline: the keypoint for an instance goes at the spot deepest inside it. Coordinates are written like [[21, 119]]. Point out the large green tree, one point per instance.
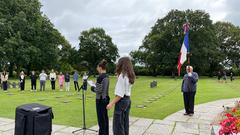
[[229, 43], [160, 48], [96, 45], [28, 40]]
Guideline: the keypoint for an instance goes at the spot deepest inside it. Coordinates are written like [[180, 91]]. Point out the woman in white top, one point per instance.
[[122, 102], [53, 78], [4, 79], [43, 77], [22, 81]]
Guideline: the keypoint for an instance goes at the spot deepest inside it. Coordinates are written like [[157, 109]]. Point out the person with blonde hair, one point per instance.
[[22, 81], [53, 77], [4, 79], [61, 80]]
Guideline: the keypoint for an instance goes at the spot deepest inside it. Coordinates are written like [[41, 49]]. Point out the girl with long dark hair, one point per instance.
[[122, 102]]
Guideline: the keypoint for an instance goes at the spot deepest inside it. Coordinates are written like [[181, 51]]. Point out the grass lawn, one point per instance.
[[167, 96]]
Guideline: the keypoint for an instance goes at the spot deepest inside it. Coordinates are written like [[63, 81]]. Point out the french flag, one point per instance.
[[184, 50]]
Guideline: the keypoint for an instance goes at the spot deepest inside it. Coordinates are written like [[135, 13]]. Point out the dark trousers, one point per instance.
[[76, 86], [4, 85], [22, 85], [33, 84], [53, 85], [121, 117], [189, 98], [102, 115]]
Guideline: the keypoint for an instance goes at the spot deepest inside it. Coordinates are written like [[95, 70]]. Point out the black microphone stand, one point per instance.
[[84, 89]]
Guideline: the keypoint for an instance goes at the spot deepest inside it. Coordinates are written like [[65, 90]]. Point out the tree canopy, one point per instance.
[[160, 48], [96, 45], [28, 40]]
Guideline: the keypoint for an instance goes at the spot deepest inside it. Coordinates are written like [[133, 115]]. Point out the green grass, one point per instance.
[[70, 113]]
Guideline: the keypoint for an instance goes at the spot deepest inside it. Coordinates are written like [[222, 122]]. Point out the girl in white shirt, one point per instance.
[[53, 78], [122, 102]]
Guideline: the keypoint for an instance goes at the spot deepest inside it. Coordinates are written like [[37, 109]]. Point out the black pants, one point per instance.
[[22, 85], [53, 85], [33, 84], [189, 98], [4, 85], [102, 115], [76, 86], [121, 117]]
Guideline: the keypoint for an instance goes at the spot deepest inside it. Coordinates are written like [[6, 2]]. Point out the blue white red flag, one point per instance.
[[184, 49]]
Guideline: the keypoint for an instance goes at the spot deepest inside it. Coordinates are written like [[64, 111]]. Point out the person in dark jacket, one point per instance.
[[33, 78], [75, 79], [102, 98], [189, 87], [67, 81], [22, 81]]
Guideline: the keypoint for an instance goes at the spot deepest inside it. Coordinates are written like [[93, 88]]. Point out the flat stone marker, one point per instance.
[[42, 99], [152, 99], [10, 94], [141, 106], [59, 97], [147, 101], [66, 101]]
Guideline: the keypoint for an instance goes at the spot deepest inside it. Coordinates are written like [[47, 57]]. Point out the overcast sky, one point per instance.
[[127, 21]]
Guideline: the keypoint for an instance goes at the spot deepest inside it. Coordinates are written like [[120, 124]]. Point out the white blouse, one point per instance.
[[123, 87], [53, 75]]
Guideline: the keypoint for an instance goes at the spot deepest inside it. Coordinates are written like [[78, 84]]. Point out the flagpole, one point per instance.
[[187, 28], [185, 50]]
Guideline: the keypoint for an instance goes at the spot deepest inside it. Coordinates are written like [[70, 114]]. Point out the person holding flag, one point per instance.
[[189, 83], [189, 87]]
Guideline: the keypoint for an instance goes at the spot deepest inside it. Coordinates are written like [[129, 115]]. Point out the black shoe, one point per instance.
[[190, 114], [186, 114]]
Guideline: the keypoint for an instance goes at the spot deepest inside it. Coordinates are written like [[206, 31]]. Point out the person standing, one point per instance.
[[43, 77], [231, 76], [33, 78], [53, 78], [1, 80], [61, 80], [126, 78], [67, 81], [4, 79], [225, 76], [102, 98], [22, 81], [219, 76], [75, 79], [189, 87]]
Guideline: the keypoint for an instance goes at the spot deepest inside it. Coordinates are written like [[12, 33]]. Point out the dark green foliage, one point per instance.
[[160, 49], [28, 40], [96, 45]]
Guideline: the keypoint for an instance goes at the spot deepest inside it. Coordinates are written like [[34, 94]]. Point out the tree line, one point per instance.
[[29, 41], [213, 46]]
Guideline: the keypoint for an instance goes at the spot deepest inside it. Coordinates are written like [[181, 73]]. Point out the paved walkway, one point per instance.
[[175, 124]]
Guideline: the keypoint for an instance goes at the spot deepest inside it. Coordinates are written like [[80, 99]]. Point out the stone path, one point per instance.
[[175, 124]]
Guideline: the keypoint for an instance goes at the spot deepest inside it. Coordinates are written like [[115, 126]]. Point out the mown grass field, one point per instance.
[[159, 102]]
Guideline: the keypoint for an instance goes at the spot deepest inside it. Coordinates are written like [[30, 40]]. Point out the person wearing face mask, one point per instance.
[[189, 87]]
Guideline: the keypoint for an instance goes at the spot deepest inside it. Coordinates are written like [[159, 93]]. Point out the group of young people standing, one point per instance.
[[43, 77], [122, 102]]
